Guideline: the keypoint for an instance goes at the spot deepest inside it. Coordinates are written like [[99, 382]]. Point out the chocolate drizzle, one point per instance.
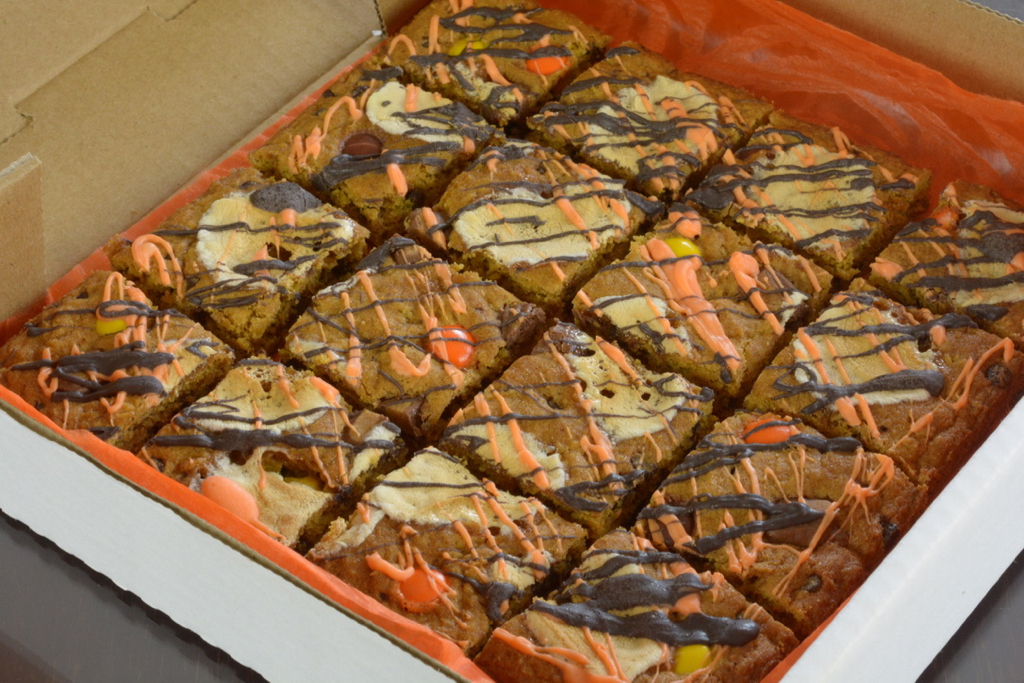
[[776, 515], [965, 267], [640, 605], [551, 390], [801, 378], [804, 197], [452, 119], [69, 370]]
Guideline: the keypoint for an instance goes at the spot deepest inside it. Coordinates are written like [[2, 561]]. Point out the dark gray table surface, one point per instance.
[[60, 621]]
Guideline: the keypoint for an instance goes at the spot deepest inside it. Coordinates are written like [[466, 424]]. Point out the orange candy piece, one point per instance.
[[545, 66], [453, 344], [768, 435], [425, 585]]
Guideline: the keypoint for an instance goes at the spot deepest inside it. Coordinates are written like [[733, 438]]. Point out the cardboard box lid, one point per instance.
[[975, 46], [124, 101]]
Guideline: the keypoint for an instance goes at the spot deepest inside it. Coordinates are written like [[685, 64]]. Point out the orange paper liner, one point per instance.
[[809, 68]]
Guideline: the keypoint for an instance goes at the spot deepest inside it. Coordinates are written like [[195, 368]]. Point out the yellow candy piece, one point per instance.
[[460, 47], [104, 326], [308, 480], [690, 658], [682, 247]]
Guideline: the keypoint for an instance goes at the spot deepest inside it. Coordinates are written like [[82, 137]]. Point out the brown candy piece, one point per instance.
[[362, 145]]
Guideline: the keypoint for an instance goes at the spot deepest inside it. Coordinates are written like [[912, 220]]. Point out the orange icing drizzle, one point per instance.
[[354, 363], [972, 368], [596, 445], [745, 269], [686, 222], [666, 326], [843, 403], [527, 458], [399, 361], [397, 178], [147, 248], [678, 278]]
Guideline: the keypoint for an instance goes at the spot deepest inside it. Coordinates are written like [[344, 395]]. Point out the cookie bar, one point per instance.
[[535, 221], [104, 360], [633, 613], [968, 257], [241, 257], [438, 545], [699, 299], [580, 425], [811, 189], [376, 147], [796, 521], [502, 59], [279, 441], [920, 388], [409, 335], [633, 116]]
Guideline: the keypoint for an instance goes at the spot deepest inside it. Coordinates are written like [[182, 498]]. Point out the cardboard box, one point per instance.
[[124, 102]]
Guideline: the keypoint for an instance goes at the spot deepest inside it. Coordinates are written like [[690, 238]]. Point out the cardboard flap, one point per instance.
[[132, 119], [21, 214], [974, 46]]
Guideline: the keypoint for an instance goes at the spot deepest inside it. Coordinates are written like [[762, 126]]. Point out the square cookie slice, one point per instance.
[[633, 613], [581, 426], [104, 360], [535, 221], [279, 448], [242, 256], [376, 147], [811, 189], [968, 256], [796, 521], [502, 59], [634, 116], [702, 300], [411, 336], [923, 389], [438, 545]]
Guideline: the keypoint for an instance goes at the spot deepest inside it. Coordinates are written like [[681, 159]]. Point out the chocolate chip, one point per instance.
[[800, 535], [999, 375], [420, 225], [890, 533], [362, 145], [519, 322], [813, 584], [280, 196]]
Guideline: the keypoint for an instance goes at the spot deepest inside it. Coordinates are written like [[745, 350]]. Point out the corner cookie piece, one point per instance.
[[811, 189], [535, 221], [794, 520], [241, 257], [280, 442], [410, 336], [580, 425], [501, 59], [376, 147], [435, 544], [104, 360], [634, 116], [702, 300], [968, 257], [922, 389], [633, 613]]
